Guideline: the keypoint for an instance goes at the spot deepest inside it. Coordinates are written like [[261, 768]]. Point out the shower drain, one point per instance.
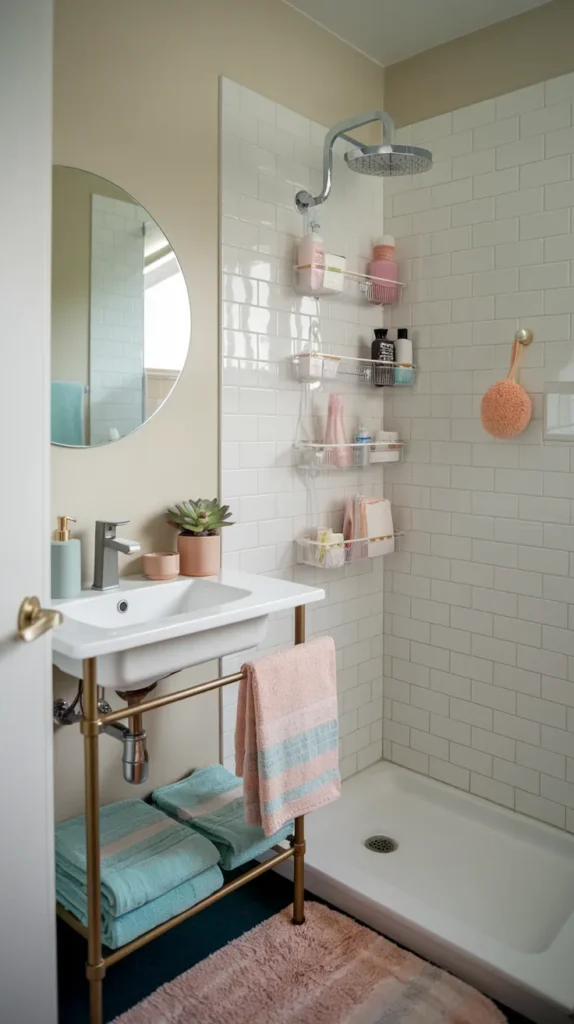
[[381, 844]]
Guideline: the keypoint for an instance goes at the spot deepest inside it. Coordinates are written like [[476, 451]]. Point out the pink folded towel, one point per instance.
[[286, 737]]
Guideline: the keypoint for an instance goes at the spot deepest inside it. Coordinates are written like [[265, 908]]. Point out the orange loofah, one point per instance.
[[506, 409]]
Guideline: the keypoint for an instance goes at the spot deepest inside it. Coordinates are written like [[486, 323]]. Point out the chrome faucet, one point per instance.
[[106, 575]]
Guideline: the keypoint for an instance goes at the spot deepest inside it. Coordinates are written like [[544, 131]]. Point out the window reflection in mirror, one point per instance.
[[120, 312], [559, 411]]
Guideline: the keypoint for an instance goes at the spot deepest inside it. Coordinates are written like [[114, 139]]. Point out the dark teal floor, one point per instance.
[[141, 973], [138, 975]]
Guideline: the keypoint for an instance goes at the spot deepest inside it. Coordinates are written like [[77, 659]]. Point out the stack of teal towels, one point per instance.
[[152, 866], [151, 869], [211, 801]]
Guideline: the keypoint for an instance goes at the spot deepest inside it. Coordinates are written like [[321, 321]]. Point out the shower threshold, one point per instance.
[[482, 891]]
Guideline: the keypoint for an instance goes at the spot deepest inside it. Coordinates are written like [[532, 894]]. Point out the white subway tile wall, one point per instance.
[[268, 154], [116, 318], [479, 604]]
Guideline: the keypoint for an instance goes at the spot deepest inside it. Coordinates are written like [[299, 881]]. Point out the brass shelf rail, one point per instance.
[[91, 726]]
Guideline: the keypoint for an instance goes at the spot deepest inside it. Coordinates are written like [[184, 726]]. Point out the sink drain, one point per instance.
[[381, 844]]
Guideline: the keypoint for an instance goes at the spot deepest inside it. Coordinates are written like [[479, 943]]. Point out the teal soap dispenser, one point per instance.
[[66, 561]]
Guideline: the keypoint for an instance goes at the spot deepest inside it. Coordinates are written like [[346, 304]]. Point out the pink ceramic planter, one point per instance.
[[199, 556], [161, 565]]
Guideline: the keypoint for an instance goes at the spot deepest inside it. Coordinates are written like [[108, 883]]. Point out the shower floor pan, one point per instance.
[[484, 892]]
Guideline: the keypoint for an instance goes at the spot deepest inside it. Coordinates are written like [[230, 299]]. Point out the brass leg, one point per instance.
[[300, 624], [299, 844], [96, 1009], [299, 872], [95, 969]]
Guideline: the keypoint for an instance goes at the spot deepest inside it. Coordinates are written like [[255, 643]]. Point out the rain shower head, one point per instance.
[[386, 160]]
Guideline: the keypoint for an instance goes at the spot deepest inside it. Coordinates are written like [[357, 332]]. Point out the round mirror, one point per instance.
[[120, 312]]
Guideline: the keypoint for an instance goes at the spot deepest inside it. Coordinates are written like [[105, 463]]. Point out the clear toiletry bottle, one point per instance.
[[311, 259], [364, 439], [404, 372], [66, 558]]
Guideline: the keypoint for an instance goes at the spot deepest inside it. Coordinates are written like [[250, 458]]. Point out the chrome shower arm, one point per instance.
[[304, 200]]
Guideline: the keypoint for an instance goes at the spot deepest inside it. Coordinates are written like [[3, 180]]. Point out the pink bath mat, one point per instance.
[[330, 970]]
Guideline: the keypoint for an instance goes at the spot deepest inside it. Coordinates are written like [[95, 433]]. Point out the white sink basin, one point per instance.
[[145, 630]]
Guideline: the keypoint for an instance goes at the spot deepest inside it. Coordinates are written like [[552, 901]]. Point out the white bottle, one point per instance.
[[311, 261], [403, 373]]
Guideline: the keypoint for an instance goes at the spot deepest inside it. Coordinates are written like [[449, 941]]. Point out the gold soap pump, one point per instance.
[[66, 559], [63, 533]]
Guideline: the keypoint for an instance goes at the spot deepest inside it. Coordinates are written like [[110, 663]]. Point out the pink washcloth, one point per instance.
[[286, 737]]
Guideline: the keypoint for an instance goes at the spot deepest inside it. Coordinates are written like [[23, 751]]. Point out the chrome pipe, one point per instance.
[[304, 200], [135, 759]]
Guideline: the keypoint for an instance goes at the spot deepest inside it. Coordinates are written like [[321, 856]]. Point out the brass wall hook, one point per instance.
[[524, 336]]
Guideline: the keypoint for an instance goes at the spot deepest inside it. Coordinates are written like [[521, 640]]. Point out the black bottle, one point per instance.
[[384, 350]]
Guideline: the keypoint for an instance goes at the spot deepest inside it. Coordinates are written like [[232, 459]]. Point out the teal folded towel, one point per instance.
[[116, 931], [67, 415], [211, 801], [143, 855]]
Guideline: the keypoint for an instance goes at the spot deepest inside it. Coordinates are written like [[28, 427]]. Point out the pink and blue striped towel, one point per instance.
[[286, 738]]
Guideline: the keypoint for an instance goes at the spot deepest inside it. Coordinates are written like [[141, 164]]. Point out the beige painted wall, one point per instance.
[[71, 252], [507, 56], [136, 101]]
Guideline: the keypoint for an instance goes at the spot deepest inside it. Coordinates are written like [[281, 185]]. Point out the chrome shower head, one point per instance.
[[386, 160], [389, 161]]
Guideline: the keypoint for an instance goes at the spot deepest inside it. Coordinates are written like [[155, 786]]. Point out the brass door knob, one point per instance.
[[34, 621]]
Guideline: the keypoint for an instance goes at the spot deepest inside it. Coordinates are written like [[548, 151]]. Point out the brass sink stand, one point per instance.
[[91, 726]]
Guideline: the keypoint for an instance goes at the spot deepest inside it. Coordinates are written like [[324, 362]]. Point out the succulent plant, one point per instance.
[[201, 518]]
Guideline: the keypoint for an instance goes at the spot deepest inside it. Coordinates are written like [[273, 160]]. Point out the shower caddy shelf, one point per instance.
[[312, 366], [318, 455], [335, 555], [363, 286]]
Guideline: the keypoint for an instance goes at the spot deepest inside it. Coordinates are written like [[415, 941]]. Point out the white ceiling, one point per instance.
[[391, 30]]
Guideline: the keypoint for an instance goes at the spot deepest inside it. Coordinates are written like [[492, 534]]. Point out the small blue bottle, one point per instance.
[[362, 455]]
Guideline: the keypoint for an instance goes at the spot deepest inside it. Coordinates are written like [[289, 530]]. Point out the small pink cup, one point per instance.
[[161, 565]]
